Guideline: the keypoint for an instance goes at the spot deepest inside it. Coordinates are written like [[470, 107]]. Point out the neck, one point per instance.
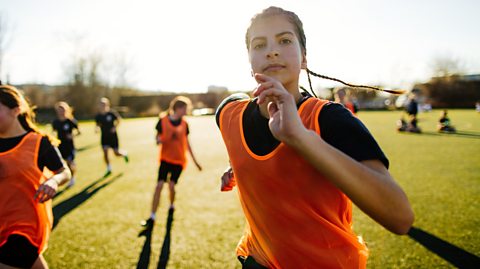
[[263, 107], [15, 129], [174, 116]]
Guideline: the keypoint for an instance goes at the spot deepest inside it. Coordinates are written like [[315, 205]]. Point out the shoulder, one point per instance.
[[341, 129], [232, 98], [45, 144], [332, 112]]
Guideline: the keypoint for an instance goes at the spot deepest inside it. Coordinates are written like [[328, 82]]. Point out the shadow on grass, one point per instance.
[[451, 253], [90, 146], [144, 259], [456, 134], [64, 207], [165, 252]]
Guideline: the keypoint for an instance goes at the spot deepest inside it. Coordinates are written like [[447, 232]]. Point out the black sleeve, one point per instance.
[[54, 125], [115, 115], [97, 120], [233, 97], [74, 123], [158, 127], [49, 156], [355, 107], [342, 130]]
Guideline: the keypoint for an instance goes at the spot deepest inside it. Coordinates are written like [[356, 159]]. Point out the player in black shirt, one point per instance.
[[64, 125], [108, 121]]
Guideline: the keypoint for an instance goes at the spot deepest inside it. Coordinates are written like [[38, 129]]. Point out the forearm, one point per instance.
[[62, 176], [191, 153], [367, 184]]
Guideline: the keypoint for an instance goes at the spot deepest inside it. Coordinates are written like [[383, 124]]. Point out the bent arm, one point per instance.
[[367, 183], [49, 188]]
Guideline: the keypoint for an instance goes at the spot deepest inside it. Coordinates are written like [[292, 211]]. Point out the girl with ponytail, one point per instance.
[[64, 125], [31, 169], [299, 162]]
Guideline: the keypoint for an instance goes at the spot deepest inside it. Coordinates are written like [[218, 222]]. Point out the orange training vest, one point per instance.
[[19, 180], [295, 217], [350, 106], [174, 142]]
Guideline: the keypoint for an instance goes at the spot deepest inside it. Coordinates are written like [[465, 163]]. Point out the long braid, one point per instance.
[[310, 84], [351, 85]]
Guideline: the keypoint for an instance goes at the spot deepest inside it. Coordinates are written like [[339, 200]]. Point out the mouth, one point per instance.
[[273, 67]]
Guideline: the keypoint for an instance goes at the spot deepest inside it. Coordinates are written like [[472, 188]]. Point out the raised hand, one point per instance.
[[284, 122]]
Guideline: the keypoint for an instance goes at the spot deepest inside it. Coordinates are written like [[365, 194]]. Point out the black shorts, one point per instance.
[[165, 168], [18, 252], [110, 141], [250, 263]]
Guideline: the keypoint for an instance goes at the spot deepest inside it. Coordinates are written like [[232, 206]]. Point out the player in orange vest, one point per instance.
[[27, 189], [341, 97], [172, 136], [299, 162]]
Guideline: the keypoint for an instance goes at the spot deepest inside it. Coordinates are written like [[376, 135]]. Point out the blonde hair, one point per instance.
[[179, 101], [66, 107]]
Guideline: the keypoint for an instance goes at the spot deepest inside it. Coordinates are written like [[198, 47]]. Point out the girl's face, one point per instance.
[[104, 107], [7, 117], [60, 112], [275, 50], [181, 111]]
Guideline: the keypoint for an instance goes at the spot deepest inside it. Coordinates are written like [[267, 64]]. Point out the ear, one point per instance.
[[16, 110], [304, 61]]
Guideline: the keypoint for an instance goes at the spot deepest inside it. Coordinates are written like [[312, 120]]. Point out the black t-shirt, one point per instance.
[[48, 155], [106, 121], [338, 127], [64, 128], [158, 127]]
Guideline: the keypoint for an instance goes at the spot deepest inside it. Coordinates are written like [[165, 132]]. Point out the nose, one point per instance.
[[272, 53]]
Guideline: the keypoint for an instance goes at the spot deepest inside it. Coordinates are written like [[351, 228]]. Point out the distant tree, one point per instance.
[[451, 92], [445, 66], [85, 86]]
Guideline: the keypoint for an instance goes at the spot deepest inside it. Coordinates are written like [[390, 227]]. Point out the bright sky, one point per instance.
[[189, 45]]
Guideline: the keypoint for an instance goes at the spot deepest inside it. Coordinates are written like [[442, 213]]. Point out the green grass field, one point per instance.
[[98, 219]]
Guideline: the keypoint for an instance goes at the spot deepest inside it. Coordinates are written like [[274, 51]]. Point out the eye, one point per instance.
[[258, 45], [285, 41]]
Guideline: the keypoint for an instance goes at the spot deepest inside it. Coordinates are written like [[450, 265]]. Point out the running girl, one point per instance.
[[108, 121], [172, 136], [25, 201], [299, 161], [64, 125]]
